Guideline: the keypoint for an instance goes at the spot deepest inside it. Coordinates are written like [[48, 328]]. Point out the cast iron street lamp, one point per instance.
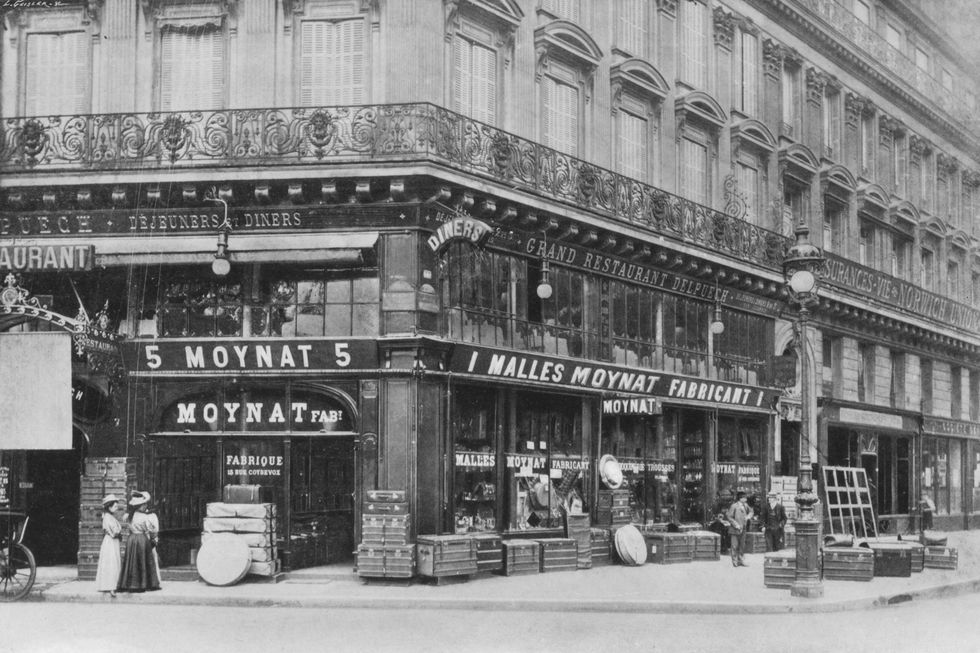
[[802, 269]]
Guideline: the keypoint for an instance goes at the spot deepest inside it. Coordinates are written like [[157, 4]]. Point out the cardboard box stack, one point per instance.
[[100, 476]]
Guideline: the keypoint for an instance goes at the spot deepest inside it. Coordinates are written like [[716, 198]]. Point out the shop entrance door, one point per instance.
[[51, 493], [322, 501]]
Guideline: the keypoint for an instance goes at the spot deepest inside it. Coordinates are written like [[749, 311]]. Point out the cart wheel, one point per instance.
[[17, 572]]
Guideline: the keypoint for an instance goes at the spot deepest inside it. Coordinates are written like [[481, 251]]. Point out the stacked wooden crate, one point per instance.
[[385, 550], [558, 554], [613, 508], [489, 551], [940, 557], [600, 542], [252, 523], [848, 563], [577, 528], [669, 548], [779, 569], [100, 477], [521, 557], [707, 545]]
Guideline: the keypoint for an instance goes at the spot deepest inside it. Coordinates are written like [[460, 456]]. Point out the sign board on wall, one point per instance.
[[4, 486], [259, 411], [35, 383]]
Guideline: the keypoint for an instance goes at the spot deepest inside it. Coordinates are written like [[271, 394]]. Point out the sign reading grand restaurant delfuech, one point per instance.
[[258, 356], [559, 372]]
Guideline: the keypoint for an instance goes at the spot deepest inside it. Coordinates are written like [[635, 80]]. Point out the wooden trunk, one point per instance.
[[891, 559], [386, 561], [521, 557], [384, 529], [446, 555], [600, 553], [940, 557], [669, 548], [779, 569], [386, 496], [387, 508], [612, 516], [848, 563], [558, 554], [489, 552], [707, 545], [755, 542]]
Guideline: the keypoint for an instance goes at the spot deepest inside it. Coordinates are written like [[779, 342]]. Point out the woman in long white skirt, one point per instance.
[[110, 562]]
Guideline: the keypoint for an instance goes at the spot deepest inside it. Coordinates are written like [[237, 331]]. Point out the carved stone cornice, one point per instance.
[[917, 147], [946, 164], [888, 127], [971, 178], [724, 27], [816, 84], [773, 53]]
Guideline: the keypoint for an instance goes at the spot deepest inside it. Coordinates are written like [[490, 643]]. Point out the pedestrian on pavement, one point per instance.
[[928, 508], [139, 569], [110, 560], [738, 515], [773, 518]]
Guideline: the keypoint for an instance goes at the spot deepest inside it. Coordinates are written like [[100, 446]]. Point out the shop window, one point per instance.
[[936, 472], [332, 62], [737, 465], [189, 306], [741, 350], [192, 67], [316, 304], [648, 464], [690, 428], [975, 472], [546, 461], [474, 419], [57, 74], [685, 335]]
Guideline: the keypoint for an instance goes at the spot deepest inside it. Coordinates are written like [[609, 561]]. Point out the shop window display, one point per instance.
[[738, 466], [546, 463], [648, 466], [474, 461]]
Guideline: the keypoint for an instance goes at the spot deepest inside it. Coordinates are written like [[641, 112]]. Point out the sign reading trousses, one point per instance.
[[564, 373], [28, 258], [224, 356]]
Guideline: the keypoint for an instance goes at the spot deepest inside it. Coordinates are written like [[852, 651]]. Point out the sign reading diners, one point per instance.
[[219, 356], [456, 226], [258, 410], [24, 258], [547, 370]]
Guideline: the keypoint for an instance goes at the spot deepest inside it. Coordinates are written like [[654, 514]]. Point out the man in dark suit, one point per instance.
[[773, 518]]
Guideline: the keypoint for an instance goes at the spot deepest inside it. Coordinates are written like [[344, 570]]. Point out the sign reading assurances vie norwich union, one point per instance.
[[549, 370]]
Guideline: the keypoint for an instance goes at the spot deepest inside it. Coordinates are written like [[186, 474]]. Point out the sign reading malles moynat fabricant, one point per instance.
[[25, 258], [210, 356], [547, 370]]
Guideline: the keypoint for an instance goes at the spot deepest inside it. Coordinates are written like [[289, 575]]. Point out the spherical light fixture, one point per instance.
[[545, 289], [717, 327], [221, 266]]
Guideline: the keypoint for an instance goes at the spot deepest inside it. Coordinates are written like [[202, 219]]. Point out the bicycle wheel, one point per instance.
[[17, 572]]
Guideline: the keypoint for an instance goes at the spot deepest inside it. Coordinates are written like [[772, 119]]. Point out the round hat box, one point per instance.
[[610, 472], [631, 545], [223, 560]]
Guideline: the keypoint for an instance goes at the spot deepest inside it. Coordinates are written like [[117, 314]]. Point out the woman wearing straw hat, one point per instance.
[[110, 563], [139, 569]]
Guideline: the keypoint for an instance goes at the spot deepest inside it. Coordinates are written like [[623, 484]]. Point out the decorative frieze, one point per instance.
[[773, 53], [724, 24], [816, 85], [946, 164], [917, 147], [888, 128]]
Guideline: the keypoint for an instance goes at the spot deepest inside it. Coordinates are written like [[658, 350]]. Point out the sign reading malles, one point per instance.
[[26, 258]]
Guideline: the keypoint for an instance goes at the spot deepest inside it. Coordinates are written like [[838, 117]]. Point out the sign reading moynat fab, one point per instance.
[[281, 356], [27, 258], [559, 372]]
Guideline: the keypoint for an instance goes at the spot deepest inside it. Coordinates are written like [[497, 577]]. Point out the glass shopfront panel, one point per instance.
[[886, 459], [546, 462], [738, 460], [942, 478], [689, 430], [474, 492], [649, 465]]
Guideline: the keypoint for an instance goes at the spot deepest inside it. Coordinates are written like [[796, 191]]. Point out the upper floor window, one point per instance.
[[750, 70], [956, 391], [925, 383], [866, 245], [953, 280], [743, 350], [832, 366], [833, 226], [791, 98], [947, 80], [866, 372], [863, 11], [694, 166], [922, 59], [901, 256], [975, 278], [631, 27], [832, 124], [57, 74], [694, 43], [974, 397], [561, 109], [750, 182], [332, 62], [893, 36], [474, 86], [567, 9], [896, 391], [633, 138], [192, 67], [927, 268]]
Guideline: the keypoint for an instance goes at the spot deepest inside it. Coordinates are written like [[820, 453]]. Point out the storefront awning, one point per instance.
[[328, 248], [35, 384]]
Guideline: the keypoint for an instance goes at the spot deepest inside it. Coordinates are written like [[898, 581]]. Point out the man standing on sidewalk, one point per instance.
[[738, 515], [773, 518]]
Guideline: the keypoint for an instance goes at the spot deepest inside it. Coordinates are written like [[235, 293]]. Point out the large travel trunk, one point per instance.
[[384, 529], [779, 569], [707, 545], [389, 561], [891, 559], [941, 557], [489, 552], [446, 555], [848, 563], [577, 528], [521, 557], [558, 554], [669, 548], [600, 539]]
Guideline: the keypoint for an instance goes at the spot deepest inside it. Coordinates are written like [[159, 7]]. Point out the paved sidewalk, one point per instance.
[[703, 587]]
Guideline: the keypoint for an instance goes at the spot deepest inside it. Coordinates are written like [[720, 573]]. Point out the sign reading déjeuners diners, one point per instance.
[[559, 372]]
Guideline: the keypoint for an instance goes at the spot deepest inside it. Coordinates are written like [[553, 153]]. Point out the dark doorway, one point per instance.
[[51, 494]]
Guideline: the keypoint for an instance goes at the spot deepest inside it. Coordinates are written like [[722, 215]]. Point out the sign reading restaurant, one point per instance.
[[29, 258], [559, 372]]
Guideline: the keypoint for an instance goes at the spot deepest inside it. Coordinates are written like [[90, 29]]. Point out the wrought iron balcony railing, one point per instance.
[[383, 133], [853, 29]]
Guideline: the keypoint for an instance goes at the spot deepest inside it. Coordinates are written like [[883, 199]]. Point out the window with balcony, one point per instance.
[[833, 226], [694, 27], [193, 69], [832, 124], [927, 268], [560, 110], [57, 74], [866, 372], [638, 91], [748, 96], [474, 79], [632, 29], [332, 62], [832, 371], [896, 390], [750, 183], [694, 166], [633, 138]]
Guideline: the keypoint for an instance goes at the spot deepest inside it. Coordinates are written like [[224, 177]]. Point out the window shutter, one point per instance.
[[57, 74], [332, 63], [461, 74], [484, 83], [192, 70], [632, 145]]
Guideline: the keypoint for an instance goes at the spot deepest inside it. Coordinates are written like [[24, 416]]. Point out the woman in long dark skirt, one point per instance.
[[139, 569]]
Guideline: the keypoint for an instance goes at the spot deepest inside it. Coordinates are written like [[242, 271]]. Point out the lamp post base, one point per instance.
[[807, 583]]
